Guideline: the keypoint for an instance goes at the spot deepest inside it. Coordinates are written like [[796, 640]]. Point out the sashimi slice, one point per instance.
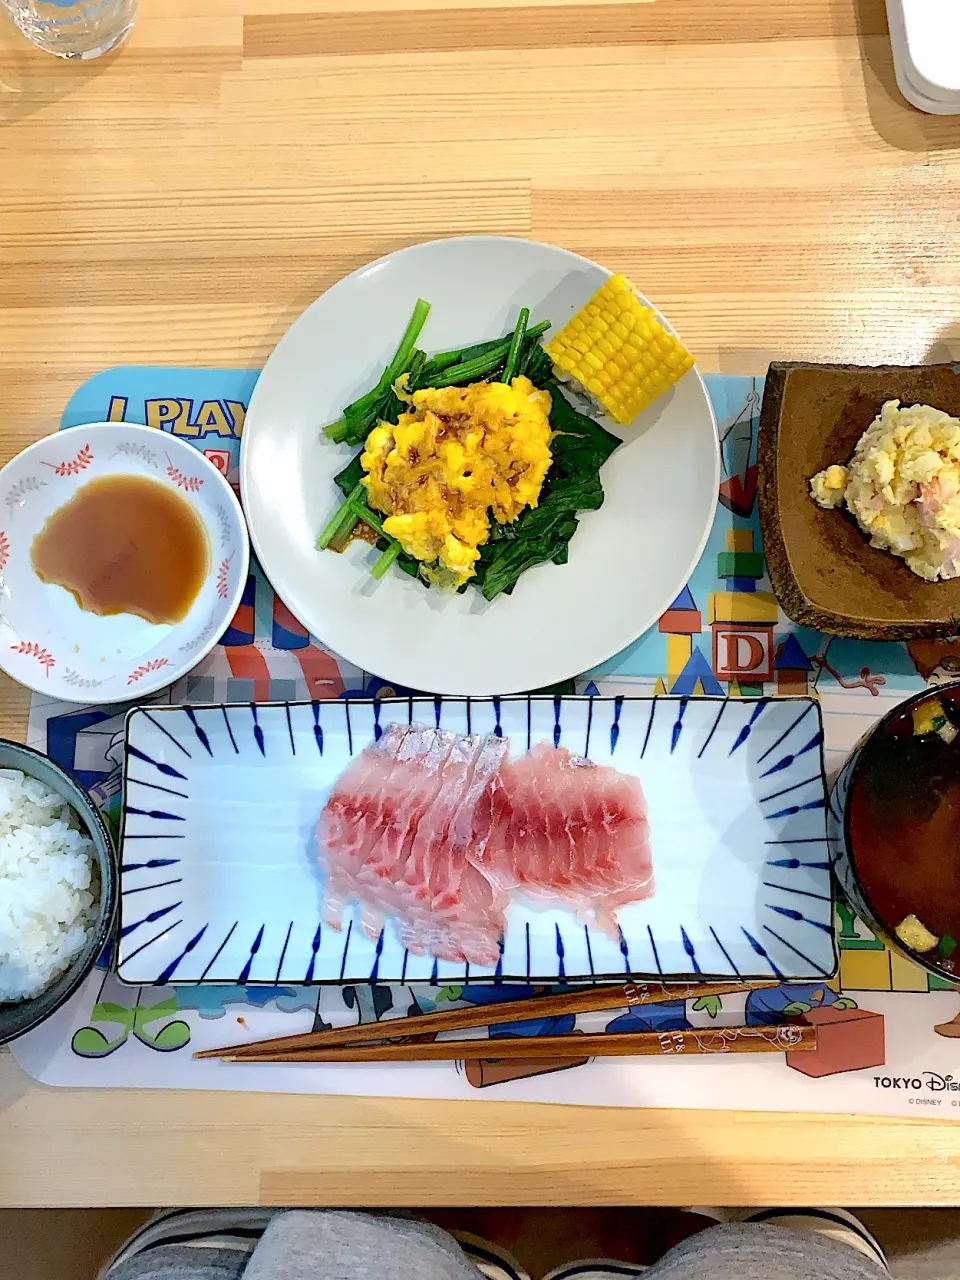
[[355, 797], [458, 919], [461, 832], [406, 778], [349, 822], [437, 831], [427, 859], [384, 837], [407, 792], [468, 929], [556, 826]]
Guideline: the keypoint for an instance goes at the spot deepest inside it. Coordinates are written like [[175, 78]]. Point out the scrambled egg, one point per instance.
[[903, 487], [460, 455]]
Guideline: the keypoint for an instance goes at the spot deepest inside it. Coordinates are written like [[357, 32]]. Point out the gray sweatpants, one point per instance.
[[343, 1245]]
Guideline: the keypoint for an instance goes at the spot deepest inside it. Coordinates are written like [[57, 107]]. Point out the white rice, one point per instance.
[[49, 886]]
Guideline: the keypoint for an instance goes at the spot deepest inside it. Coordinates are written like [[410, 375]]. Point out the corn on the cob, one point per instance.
[[618, 351]]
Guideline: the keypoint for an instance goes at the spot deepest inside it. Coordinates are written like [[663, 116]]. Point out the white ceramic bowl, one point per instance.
[[50, 644]]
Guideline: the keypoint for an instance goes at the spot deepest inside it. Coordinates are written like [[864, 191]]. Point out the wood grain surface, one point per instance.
[[748, 162]]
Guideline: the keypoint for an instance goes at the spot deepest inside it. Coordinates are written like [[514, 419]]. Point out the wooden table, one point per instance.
[[748, 162]]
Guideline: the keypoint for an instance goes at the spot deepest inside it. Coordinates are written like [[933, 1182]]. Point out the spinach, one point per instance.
[[580, 446], [360, 416], [351, 475], [469, 364], [534, 363], [542, 534]]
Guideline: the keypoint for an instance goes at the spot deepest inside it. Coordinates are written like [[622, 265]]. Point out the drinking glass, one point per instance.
[[73, 28]]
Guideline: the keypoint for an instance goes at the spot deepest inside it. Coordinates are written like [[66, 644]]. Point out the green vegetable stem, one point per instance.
[[513, 356], [351, 512], [343, 514], [458, 368], [360, 416], [386, 560]]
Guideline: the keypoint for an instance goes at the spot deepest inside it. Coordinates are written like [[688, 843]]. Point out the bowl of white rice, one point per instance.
[[58, 887]]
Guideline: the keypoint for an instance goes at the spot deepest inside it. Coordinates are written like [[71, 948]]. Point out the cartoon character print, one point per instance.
[[770, 1005], [120, 1013], [936, 661]]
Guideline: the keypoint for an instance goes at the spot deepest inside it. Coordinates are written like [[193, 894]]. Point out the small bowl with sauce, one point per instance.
[[123, 558], [893, 829]]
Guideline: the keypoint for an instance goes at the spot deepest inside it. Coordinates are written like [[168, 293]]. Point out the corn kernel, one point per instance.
[[617, 349]]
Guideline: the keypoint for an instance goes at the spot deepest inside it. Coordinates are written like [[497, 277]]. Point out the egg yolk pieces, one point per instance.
[[458, 457]]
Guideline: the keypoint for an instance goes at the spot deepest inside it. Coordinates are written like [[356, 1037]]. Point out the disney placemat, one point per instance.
[[886, 1027]]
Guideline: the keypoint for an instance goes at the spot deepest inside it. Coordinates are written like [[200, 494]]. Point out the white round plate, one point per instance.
[[47, 641], [628, 561]]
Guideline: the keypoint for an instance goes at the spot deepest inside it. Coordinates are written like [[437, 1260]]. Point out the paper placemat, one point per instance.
[[886, 1027]]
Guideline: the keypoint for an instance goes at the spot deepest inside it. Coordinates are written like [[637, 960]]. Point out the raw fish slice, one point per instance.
[[462, 832], [397, 744], [456, 922], [494, 819], [624, 820], [348, 823], [588, 825], [429, 861], [592, 802], [557, 826], [353, 803], [493, 753], [396, 775], [407, 793], [401, 860], [468, 928], [468, 836], [352, 821], [459, 922]]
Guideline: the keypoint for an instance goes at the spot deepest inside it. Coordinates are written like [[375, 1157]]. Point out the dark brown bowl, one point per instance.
[[849, 861], [823, 570]]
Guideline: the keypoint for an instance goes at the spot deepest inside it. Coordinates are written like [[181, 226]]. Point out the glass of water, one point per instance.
[[74, 28]]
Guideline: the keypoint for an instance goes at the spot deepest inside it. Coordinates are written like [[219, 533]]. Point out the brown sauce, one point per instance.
[[905, 826], [125, 544], [361, 533]]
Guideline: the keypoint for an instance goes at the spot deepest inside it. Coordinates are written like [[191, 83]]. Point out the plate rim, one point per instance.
[[672, 978], [167, 676], [248, 486]]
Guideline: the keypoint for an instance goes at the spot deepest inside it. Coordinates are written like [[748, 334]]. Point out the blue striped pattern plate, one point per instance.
[[221, 882]]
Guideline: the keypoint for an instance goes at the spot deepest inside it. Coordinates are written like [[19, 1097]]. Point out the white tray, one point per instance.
[[221, 880]]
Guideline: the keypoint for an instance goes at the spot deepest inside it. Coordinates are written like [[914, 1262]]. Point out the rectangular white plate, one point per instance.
[[221, 881]]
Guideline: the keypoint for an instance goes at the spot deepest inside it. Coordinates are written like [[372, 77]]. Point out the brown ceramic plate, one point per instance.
[[823, 570]]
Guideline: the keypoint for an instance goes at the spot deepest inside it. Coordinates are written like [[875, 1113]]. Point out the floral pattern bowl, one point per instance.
[[50, 644]]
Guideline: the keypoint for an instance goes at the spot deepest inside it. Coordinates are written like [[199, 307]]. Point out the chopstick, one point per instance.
[[587, 1000], [790, 1036]]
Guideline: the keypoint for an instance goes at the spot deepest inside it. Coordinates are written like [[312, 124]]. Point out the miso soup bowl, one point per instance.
[[843, 854]]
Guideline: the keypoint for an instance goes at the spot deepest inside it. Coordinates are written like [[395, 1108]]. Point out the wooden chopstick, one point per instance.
[[587, 1000], [791, 1036]]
